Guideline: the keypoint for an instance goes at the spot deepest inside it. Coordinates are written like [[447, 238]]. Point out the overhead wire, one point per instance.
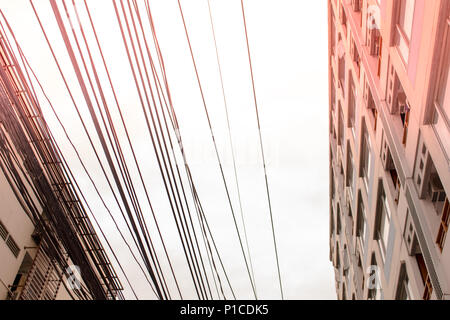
[[163, 147], [133, 234], [168, 134], [82, 122], [231, 143], [26, 64], [216, 150], [172, 114], [158, 145], [26, 67], [132, 148], [83, 166], [123, 168], [153, 273], [31, 140], [262, 152]]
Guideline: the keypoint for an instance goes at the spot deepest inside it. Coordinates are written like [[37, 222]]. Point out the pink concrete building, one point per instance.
[[389, 148]]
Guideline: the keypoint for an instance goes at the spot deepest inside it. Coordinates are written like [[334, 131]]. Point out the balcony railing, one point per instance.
[[43, 280]]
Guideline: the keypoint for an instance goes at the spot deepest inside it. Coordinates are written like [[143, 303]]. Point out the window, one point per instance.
[[333, 188], [361, 222], [366, 165], [410, 237], [373, 36], [352, 106], [338, 220], [406, 16], [355, 57], [357, 5], [350, 214], [346, 261], [374, 281], [424, 168], [425, 277], [333, 36], [443, 228], [398, 103], [393, 174], [384, 220], [333, 94], [331, 222], [443, 94], [344, 297], [370, 104], [341, 126], [404, 27], [405, 111], [350, 171], [441, 120], [341, 68], [21, 276], [360, 272], [338, 257], [403, 287], [374, 40], [343, 18]]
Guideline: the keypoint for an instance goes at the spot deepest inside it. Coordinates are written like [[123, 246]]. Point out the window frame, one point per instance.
[[366, 152], [440, 119], [384, 220], [401, 38], [362, 228]]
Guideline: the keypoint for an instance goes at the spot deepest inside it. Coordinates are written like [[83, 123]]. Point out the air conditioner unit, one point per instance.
[[437, 191]]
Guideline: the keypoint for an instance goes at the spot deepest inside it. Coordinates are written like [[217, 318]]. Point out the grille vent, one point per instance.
[[12, 245]]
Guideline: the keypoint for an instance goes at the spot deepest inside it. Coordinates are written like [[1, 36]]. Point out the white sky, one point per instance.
[[288, 39]]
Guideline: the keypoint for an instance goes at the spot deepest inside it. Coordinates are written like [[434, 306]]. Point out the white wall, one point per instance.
[[20, 227]]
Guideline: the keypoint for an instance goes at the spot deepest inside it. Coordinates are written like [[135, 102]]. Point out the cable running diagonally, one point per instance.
[[231, 143], [143, 33], [262, 152], [172, 114], [216, 150], [88, 136], [171, 190], [160, 291]]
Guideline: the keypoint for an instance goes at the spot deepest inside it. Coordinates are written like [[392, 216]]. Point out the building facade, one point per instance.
[[389, 116], [48, 246]]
